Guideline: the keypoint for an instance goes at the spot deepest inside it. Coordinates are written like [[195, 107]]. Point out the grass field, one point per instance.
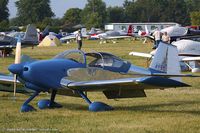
[[172, 110]]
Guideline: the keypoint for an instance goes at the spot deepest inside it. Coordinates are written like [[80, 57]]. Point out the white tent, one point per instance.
[[50, 40]]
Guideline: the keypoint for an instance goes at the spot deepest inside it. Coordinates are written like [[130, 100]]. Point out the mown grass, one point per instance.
[[172, 110]]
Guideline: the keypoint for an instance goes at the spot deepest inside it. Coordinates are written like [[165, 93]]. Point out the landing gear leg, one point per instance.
[[26, 107], [95, 106], [53, 104]]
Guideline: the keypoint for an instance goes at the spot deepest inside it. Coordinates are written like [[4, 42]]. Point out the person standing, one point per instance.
[[157, 36], [166, 37], [79, 39]]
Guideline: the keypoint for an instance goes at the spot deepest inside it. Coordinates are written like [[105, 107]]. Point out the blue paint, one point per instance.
[[27, 108], [44, 74], [84, 97], [43, 104], [34, 87], [99, 106], [31, 98], [16, 68]]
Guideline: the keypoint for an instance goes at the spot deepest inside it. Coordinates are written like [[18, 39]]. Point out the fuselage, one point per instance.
[[45, 74]]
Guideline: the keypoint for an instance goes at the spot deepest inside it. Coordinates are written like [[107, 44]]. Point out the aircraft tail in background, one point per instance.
[[83, 31], [92, 31], [45, 32], [166, 60], [31, 36], [130, 30]]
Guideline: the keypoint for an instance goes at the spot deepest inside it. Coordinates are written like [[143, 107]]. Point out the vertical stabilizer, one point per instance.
[[30, 35], [83, 31], [166, 60], [45, 32], [130, 30], [92, 31]]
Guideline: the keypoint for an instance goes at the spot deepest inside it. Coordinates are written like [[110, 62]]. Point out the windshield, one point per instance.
[[74, 55], [103, 59]]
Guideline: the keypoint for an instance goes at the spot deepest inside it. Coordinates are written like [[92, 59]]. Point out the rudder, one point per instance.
[[166, 60], [31, 35]]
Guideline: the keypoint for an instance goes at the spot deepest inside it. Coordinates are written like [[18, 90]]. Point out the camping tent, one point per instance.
[[50, 40]]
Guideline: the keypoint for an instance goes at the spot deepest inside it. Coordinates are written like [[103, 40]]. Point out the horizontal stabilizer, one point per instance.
[[191, 59], [141, 54]]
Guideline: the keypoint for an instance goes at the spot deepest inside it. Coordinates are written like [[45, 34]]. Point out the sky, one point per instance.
[[59, 8]]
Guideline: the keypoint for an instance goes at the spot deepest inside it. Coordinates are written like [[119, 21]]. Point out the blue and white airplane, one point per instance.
[[73, 73]]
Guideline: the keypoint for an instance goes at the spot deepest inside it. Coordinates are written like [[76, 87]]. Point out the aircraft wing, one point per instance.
[[7, 79], [190, 59], [68, 38], [6, 85], [117, 37], [123, 84], [141, 54], [7, 46]]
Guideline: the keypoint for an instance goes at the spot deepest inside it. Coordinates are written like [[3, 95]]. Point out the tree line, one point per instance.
[[97, 14]]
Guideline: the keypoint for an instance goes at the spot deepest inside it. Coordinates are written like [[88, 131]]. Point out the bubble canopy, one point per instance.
[[94, 59]]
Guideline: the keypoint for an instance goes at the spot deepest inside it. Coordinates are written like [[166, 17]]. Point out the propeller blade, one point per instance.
[[17, 61]]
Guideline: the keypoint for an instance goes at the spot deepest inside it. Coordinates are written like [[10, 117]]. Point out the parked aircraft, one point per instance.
[[111, 35], [72, 36], [178, 33], [94, 31], [73, 73], [188, 51], [43, 34], [30, 38]]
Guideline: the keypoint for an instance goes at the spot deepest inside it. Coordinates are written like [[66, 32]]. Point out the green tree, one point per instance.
[[72, 16], [176, 11], [130, 11], [94, 11], [193, 5], [33, 11], [195, 18], [157, 11], [4, 25], [115, 14], [4, 12]]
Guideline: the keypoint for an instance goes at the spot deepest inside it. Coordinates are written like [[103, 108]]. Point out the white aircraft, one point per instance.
[[72, 36], [111, 35], [189, 54], [178, 32], [94, 31]]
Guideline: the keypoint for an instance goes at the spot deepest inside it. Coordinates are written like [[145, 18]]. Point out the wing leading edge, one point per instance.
[[7, 79]]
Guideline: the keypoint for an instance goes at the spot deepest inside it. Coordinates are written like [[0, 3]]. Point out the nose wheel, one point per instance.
[[45, 103]]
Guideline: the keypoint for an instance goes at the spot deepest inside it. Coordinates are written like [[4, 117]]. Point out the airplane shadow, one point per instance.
[[161, 108], [156, 108], [75, 106]]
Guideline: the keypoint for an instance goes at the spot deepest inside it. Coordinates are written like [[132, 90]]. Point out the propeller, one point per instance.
[[17, 61]]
